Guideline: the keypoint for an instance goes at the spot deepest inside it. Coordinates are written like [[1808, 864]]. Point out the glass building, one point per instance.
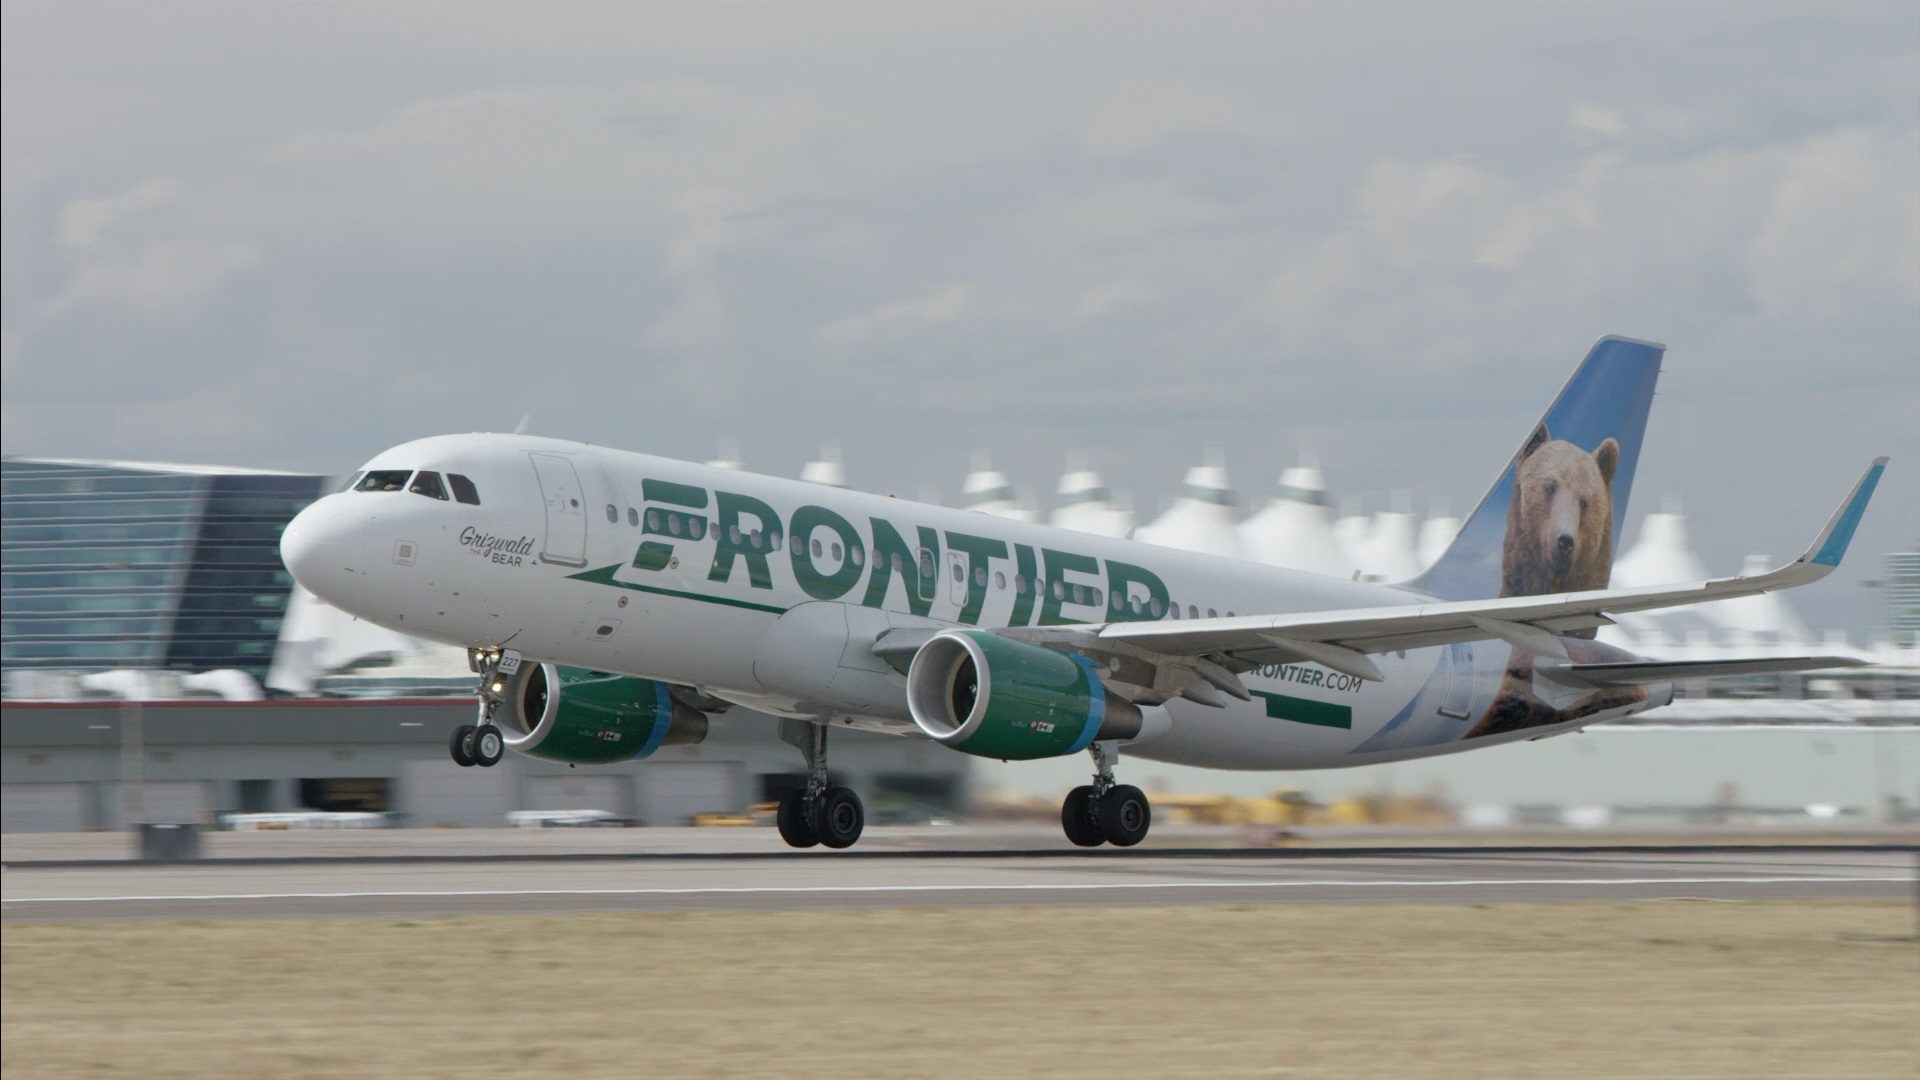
[[134, 565], [1903, 598]]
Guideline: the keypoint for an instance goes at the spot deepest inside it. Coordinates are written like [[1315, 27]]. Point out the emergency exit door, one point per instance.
[[566, 540]]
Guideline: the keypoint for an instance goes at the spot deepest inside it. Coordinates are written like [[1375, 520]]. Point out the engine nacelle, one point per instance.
[[583, 717], [995, 697]]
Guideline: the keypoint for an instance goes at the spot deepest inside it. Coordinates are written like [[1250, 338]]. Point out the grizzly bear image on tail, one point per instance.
[[1559, 539], [1560, 521]]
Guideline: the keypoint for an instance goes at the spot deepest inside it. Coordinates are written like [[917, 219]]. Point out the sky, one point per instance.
[[1377, 236]]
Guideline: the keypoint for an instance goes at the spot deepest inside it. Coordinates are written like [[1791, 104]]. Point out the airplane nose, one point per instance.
[[319, 545]]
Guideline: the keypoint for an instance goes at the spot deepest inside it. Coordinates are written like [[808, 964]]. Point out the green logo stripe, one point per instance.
[[1302, 711], [604, 576]]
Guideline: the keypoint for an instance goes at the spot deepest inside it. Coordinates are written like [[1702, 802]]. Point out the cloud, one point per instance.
[[82, 221], [1841, 228], [1110, 297], [897, 318], [166, 281], [1596, 120]]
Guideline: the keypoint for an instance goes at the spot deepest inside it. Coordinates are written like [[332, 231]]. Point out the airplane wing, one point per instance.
[[1211, 649]]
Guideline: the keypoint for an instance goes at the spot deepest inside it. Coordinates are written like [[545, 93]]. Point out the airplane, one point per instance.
[[610, 601]]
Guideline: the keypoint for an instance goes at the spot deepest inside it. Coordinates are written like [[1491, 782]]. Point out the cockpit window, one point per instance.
[[428, 484], [463, 489], [384, 480]]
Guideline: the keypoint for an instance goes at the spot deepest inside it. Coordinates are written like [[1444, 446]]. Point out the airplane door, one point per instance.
[[566, 542]]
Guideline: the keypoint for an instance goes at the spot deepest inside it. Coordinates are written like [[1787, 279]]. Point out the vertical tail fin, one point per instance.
[[1550, 521]]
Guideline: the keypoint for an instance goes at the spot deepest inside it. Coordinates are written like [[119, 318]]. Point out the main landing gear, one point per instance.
[[1104, 812], [819, 814], [482, 744]]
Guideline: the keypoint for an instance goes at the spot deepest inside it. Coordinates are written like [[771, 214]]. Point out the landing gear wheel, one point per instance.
[[458, 745], [795, 824], [1076, 817], [485, 746], [841, 817], [1125, 815]]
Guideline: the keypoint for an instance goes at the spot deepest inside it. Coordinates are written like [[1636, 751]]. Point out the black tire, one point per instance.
[[486, 745], [458, 746], [1125, 815], [793, 821], [1076, 818], [841, 818]]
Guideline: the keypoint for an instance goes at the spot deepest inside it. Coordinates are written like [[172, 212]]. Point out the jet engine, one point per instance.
[[992, 696], [584, 717]]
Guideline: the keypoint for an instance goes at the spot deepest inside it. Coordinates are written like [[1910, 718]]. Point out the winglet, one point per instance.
[[1831, 545]]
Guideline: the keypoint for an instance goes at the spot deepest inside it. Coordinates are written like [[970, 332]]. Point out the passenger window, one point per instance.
[[1158, 607], [959, 573], [696, 527], [1117, 603], [1020, 584], [817, 552], [1059, 590], [613, 514], [463, 489], [653, 519], [384, 480], [673, 524], [1192, 612], [733, 535], [1000, 580], [633, 516], [858, 555], [836, 550], [1212, 614], [980, 577], [1172, 609]]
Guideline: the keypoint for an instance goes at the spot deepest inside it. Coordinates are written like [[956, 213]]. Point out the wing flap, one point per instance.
[[1636, 672]]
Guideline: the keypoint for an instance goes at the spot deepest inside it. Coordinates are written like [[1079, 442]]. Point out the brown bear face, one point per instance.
[[1560, 522]]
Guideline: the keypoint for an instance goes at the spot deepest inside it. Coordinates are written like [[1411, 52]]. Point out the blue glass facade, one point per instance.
[[108, 565]]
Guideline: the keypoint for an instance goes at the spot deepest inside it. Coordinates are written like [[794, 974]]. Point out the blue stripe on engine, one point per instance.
[[1096, 704], [662, 719]]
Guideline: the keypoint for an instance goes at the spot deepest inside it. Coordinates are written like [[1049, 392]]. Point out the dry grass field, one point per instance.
[[1670, 989]]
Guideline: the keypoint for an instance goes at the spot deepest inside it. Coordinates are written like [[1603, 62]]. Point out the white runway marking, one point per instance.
[[785, 890]]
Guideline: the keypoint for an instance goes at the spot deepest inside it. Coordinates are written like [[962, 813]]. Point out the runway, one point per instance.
[[217, 889]]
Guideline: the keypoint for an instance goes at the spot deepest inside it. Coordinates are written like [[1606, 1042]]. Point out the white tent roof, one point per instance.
[[1201, 519], [1295, 528]]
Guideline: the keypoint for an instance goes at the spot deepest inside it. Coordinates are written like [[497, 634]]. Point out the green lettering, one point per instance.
[[1058, 563], [1121, 581], [812, 581], [1023, 565], [889, 547], [980, 550], [733, 540]]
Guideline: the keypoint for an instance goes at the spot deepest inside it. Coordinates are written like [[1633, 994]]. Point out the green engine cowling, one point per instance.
[[991, 696], [583, 717]]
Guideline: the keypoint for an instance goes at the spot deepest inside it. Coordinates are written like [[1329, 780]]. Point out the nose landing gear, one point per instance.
[[483, 744], [819, 814], [1104, 812]]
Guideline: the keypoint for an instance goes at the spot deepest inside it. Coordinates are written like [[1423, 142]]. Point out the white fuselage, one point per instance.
[[770, 592]]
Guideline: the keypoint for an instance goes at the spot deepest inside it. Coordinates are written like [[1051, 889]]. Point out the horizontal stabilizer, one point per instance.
[[1634, 672]]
